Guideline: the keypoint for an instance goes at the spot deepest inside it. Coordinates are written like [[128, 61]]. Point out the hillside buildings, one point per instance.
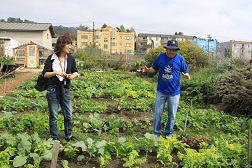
[[26, 40]]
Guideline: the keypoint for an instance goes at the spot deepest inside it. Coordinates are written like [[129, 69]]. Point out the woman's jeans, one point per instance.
[[66, 107], [172, 102]]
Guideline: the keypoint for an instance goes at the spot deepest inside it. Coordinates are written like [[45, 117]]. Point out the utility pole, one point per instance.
[[208, 40], [93, 35]]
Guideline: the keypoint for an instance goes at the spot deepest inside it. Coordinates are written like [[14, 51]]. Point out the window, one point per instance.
[[127, 45], [128, 51], [84, 43], [113, 44], [84, 37], [31, 51], [127, 37], [20, 52], [105, 46], [105, 39], [47, 36]]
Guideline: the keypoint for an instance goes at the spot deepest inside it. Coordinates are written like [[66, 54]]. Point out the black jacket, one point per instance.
[[71, 68]]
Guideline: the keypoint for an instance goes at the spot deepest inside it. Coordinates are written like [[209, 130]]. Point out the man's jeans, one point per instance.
[[172, 102], [66, 107]]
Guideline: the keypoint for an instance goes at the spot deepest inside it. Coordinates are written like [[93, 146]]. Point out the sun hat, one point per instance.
[[172, 44]]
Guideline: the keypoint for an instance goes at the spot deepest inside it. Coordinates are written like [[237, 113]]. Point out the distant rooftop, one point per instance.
[[5, 26]]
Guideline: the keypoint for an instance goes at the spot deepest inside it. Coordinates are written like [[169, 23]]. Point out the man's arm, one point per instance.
[[148, 70]]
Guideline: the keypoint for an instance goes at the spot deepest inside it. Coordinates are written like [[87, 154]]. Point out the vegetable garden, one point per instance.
[[112, 114]]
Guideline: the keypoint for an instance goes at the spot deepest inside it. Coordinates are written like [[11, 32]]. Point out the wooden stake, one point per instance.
[[55, 153], [184, 130], [5, 82], [249, 146]]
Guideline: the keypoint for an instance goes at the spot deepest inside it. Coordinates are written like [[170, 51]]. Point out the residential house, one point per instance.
[[25, 32], [31, 38], [236, 49], [108, 39]]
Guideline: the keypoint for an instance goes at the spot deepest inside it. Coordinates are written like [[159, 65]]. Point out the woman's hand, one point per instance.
[[60, 73]]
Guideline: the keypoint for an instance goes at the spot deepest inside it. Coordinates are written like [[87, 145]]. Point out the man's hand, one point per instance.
[[186, 75], [145, 69]]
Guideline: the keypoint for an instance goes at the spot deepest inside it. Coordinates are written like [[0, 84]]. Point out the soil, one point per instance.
[[12, 81]]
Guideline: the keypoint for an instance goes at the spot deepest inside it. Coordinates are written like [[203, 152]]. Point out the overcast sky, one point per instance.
[[224, 20]]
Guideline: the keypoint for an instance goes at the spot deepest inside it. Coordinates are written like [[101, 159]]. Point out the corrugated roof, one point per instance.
[[5, 26]]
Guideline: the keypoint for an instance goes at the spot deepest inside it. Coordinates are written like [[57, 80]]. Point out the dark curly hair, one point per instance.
[[61, 42]]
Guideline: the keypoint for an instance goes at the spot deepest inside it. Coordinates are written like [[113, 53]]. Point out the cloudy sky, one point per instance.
[[223, 20]]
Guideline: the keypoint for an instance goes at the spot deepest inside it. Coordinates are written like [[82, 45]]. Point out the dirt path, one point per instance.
[[11, 83]]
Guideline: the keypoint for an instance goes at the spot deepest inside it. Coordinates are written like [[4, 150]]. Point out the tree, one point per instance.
[[14, 20], [227, 53], [132, 29], [122, 28], [194, 55], [104, 25], [152, 55], [82, 28], [118, 29], [179, 33]]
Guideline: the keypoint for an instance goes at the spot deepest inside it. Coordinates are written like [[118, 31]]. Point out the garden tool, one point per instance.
[[245, 121]]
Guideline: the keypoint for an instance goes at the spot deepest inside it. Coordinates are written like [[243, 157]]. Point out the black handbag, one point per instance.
[[42, 83]]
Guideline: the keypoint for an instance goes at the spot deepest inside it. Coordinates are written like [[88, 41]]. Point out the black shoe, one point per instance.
[[73, 138], [56, 139]]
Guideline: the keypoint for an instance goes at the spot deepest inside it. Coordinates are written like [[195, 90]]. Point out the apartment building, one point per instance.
[[236, 49], [108, 39], [147, 41], [208, 45]]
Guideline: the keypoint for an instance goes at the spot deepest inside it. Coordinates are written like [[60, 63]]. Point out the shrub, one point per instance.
[[233, 91]]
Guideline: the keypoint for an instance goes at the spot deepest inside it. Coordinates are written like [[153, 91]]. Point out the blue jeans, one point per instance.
[[66, 107], [172, 102]]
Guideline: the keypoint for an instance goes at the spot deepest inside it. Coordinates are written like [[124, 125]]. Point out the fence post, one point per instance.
[[55, 153], [249, 146]]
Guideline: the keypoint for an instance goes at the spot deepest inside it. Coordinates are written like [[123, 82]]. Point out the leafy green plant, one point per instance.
[[133, 159], [165, 148]]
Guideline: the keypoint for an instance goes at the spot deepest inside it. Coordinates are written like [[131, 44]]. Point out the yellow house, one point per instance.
[[108, 39]]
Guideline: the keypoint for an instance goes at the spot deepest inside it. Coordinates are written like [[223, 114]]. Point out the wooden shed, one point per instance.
[[31, 55]]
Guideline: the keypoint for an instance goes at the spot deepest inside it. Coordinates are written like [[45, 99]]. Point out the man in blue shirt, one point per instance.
[[169, 66]]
